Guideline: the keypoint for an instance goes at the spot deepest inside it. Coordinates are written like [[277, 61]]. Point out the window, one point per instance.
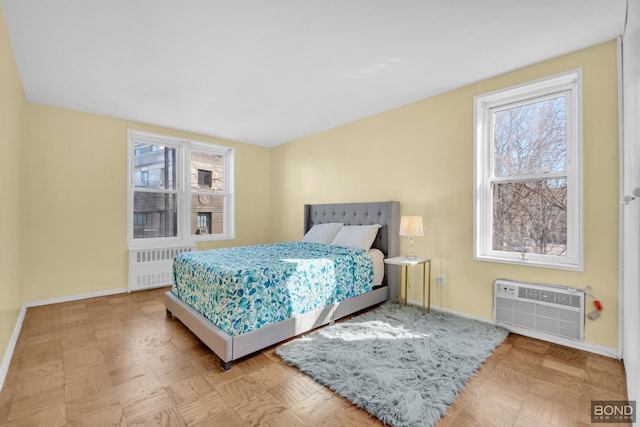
[[204, 221], [528, 186], [204, 178], [178, 190], [140, 219], [144, 177]]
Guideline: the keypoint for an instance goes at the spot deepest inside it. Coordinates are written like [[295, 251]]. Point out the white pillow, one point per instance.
[[322, 233], [356, 236]]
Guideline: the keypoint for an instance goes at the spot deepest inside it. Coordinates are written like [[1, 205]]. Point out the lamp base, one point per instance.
[[411, 254]]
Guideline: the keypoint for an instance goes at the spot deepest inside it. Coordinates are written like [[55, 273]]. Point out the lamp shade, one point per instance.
[[411, 226]]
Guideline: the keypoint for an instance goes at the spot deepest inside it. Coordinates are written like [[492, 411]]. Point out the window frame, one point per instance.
[[184, 148], [568, 84]]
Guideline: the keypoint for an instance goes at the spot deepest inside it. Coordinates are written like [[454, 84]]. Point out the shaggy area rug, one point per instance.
[[398, 364]]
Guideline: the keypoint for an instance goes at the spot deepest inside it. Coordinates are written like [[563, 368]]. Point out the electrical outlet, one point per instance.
[[440, 280]]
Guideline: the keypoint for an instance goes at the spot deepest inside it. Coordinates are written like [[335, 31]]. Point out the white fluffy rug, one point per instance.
[[398, 364]]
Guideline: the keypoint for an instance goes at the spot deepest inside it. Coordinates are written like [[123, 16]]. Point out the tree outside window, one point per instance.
[[530, 209], [528, 178]]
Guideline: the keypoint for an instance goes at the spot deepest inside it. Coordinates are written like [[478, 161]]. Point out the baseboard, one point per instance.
[[6, 360], [77, 297], [578, 345]]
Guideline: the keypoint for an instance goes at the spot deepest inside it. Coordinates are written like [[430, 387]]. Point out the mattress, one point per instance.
[[244, 288]]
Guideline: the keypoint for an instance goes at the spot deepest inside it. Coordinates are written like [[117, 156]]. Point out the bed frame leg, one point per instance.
[[168, 313], [226, 366]]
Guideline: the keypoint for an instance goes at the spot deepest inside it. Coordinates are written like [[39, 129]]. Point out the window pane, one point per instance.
[[204, 178], [530, 217], [155, 215], [154, 166], [531, 138], [207, 171], [207, 214]]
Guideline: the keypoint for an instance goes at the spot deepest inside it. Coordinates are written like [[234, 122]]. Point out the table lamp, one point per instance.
[[411, 226]]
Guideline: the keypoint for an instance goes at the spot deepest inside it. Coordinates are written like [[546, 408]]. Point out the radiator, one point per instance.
[[152, 268], [541, 309]]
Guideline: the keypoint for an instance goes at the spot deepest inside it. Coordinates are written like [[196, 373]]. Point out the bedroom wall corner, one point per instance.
[[12, 125], [422, 155], [76, 200]]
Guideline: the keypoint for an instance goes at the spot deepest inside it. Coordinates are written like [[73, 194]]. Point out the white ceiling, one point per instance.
[[268, 72]]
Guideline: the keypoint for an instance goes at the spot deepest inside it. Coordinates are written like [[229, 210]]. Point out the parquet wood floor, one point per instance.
[[118, 360]]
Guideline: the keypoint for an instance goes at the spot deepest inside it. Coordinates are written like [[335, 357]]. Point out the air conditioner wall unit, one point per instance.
[[543, 309]]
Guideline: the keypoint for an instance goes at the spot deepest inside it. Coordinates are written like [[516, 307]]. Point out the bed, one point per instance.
[[231, 339]]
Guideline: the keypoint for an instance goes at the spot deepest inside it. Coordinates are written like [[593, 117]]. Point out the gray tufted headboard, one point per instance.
[[387, 214]]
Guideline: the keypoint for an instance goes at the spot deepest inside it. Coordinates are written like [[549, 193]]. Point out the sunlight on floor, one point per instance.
[[374, 329]]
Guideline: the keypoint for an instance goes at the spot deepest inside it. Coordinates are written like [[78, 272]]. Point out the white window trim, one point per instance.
[[570, 83], [229, 207], [183, 150]]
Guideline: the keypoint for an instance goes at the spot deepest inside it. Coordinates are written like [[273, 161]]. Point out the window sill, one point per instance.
[[159, 244], [571, 266], [211, 237]]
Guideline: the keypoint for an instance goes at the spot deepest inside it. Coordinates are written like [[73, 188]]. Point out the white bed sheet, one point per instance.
[[378, 266]]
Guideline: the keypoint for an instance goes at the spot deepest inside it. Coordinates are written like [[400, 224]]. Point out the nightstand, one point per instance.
[[426, 277]]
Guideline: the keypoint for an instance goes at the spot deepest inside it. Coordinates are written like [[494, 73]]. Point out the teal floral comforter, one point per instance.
[[244, 288]]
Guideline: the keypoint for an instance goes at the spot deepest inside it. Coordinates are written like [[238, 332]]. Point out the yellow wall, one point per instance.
[[63, 191], [422, 155], [12, 115], [76, 209]]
